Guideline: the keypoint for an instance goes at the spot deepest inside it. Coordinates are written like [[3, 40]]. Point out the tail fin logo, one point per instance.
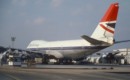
[[108, 27], [109, 19]]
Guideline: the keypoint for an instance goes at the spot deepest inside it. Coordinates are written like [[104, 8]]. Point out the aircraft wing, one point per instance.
[[2, 49], [20, 51], [116, 42]]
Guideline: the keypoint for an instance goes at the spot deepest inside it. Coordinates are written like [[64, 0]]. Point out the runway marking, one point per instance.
[[13, 77], [90, 75], [98, 76], [105, 77]]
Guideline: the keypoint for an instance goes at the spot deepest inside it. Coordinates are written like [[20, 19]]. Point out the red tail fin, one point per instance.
[[111, 13], [106, 27]]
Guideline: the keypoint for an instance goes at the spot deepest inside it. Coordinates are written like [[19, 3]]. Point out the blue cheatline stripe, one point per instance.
[[70, 48], [112, 25]]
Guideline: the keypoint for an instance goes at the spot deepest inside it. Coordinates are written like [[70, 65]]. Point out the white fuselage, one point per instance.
[[73, 49]]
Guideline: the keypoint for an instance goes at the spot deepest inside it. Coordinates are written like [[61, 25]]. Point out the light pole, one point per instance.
[[13, 40]]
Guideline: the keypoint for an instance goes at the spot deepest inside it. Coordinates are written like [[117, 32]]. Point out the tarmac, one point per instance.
[[66, 72]]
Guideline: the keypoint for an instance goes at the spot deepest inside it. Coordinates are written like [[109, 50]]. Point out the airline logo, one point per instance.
[[109, 27], [109, 19]]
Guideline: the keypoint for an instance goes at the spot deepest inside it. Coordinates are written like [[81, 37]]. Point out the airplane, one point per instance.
[[102, 37]]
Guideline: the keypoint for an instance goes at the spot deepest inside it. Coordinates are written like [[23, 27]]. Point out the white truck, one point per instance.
[[14, 60]]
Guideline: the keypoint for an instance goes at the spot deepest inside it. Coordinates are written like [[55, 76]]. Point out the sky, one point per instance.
[[53, 20]]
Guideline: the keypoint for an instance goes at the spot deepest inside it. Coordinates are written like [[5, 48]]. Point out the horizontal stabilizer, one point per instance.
[[92, 40]]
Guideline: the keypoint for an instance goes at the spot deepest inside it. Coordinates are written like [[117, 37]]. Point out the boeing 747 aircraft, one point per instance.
[[102, 37]]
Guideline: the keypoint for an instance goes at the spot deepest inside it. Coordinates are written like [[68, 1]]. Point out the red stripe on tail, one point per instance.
[[111, 31]]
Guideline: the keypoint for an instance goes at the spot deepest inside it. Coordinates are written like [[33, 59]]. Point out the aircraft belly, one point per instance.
[[74, 54], [55, 53]]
